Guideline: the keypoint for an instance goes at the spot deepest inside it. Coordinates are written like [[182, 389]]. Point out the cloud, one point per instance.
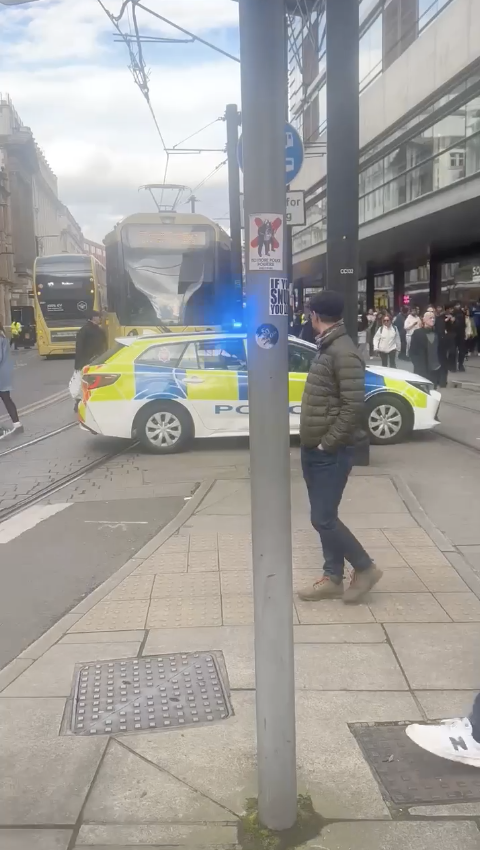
[[86, 113]]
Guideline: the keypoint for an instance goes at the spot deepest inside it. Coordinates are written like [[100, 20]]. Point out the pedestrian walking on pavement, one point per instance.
[[330, 424], [387, 342], [426, 353], [456, 740], [412, 323], [6, 383], [90, 343]]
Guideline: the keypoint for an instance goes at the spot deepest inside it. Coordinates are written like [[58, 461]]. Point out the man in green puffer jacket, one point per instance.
[[330, 423]]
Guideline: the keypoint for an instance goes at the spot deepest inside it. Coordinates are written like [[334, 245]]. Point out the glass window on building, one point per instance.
[[366, 6], [371, 53], [428, 10], [399, 28]]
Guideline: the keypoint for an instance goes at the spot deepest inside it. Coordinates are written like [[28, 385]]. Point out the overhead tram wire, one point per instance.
[[137, 66], [211, 174]]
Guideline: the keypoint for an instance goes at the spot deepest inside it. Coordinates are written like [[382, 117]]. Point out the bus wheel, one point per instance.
[[164, 427]]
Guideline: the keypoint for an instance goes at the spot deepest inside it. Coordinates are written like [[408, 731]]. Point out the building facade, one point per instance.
[[95, 249], [419, 180], [33, 220]]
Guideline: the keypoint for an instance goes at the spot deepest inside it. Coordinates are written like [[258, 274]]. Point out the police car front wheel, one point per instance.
[[164, 427]]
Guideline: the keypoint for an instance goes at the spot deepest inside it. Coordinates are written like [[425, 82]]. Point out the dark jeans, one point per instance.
[[10, 405], [326, 475], [389, 359]]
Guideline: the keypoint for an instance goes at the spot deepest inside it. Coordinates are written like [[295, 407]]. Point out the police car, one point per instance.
[[166, 390]]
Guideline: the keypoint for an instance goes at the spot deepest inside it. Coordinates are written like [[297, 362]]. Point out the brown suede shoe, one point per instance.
[[361, 583], [324, 588]]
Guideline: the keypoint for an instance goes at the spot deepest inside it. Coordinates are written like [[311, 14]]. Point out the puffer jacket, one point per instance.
[[334, 397]]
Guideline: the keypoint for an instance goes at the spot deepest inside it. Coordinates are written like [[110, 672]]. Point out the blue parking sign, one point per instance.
[[293, 153]]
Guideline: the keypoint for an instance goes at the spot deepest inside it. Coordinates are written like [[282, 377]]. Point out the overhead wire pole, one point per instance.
[[232, 120], [262, 39]]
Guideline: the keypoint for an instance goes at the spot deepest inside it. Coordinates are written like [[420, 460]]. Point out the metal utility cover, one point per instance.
[[148, 694], [410, 776]]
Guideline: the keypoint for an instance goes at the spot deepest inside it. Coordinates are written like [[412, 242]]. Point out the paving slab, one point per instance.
[[332, 611], [331, 765], [163, 563], [348, 667], [397, 836], [382, 521], [406, 608], [440, 705], [134, 587], [423, 557], [175, 612], [340, 633], [203, 561], [202, 543], [386, 557], [134, 636], [238, 609], [159, 835], [400, 580], [113, 616], [227, 748], [236, 643], [412, 540], [185, 586], [437, 656], [441, 579], [52, 675], [462, 810], [45, 777], [35, 839], [236, 582], [461, 607], [131, 790]]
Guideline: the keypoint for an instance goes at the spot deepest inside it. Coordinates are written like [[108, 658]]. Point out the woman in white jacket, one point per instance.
[[387, 342]]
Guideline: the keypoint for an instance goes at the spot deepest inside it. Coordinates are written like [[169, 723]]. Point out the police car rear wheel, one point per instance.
[[390, 419], [164, 428]]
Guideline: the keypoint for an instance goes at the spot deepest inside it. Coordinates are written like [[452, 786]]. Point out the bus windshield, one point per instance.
[[64, 288], [170, 269]]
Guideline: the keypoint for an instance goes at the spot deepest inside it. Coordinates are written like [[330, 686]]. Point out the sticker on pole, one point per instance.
[[266, 242], [266, 336], [279, 296]]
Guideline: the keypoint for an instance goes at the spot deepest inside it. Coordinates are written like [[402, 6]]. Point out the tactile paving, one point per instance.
[[178, 612], [149, 694], [409, 775]]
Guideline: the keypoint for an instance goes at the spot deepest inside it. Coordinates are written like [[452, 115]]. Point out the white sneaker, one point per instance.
[[18, 427], [452, 740]]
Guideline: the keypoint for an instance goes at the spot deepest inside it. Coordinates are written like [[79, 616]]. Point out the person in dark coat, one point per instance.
[[90, 343], [425, 351]]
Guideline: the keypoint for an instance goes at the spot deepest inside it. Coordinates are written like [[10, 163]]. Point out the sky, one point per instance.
[[69, 82]]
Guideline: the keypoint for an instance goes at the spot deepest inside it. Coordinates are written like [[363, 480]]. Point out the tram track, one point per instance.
[[61, 482], [38, 439]]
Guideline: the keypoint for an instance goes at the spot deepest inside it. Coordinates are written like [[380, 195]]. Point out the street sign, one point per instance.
[[296, 208], [293, 153]]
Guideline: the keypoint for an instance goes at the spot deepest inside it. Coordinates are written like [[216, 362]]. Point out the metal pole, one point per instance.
[[232, 119], [263, 121], [342, 142]]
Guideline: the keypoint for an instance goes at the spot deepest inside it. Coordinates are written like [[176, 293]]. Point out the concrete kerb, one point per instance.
[[53, 635], [458, 562]]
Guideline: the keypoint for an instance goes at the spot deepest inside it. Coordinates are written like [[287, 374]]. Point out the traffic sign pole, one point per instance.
[[262, 39]]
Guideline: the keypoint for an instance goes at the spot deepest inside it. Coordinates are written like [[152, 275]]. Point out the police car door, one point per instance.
[[299, 360], [217, 388]]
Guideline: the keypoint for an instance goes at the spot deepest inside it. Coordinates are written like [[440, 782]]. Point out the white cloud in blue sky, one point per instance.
[[69, 82]]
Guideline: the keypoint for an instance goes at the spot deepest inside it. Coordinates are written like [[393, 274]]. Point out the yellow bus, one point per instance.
[[67, 287], [169, 271]]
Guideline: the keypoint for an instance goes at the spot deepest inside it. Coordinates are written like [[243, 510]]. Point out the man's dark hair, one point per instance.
[[328, 305]]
